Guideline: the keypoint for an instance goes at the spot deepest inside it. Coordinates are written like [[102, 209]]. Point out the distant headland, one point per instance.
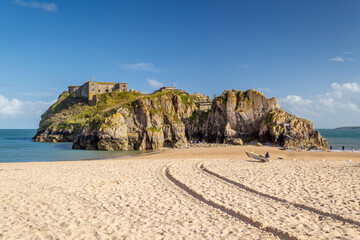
[[354, 127]]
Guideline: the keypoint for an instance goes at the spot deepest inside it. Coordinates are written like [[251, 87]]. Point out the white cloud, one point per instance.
[[328, 102], [154, 83], [338, 107], [9, 108], [353, 107], [14, 108], [340, 59], [49, 7], [346, 87], [337, 59], [296, 104], [293, 99], [146, 67]]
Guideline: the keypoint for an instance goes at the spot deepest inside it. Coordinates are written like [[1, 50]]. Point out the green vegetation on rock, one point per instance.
[[154, 129], [71, 113], [186, 99], [127, 120]]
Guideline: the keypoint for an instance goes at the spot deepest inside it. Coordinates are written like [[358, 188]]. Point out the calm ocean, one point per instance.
[[16, 145], [342, 137]]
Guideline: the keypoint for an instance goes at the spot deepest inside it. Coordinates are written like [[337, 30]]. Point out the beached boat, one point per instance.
[[257, 156]]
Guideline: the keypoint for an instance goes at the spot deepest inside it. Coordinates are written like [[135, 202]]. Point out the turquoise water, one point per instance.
[[16, 145], [342, 137]]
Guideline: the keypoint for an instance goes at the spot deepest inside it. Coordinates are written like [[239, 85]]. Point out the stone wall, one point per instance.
[[73, 90], [91, 89]]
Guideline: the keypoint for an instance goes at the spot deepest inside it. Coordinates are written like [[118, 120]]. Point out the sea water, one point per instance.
[[342, 137], [16, 145]]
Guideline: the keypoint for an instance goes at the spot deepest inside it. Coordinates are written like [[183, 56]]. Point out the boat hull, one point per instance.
[[256, 156]]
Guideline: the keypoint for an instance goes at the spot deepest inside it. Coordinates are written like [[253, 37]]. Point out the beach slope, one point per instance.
[[213, 193]]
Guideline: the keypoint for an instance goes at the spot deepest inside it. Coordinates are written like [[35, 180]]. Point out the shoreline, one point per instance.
[[88, 160], [238, 152]]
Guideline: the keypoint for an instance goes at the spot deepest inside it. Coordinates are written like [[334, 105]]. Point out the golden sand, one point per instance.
[[199, 193]]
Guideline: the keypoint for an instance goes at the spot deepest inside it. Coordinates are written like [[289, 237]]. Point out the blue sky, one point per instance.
[[305, 53]]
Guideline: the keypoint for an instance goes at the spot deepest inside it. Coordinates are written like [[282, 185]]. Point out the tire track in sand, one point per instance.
[[279, 218], [338, 217], [242, 217]]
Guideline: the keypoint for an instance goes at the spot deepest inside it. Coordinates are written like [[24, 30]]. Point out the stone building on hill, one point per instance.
[[90, 90], [163, 89]]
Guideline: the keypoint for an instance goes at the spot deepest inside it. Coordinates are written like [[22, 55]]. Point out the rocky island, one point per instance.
[[117, 119]]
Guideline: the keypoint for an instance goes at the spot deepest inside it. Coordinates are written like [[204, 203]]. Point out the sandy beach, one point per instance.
[[197, 193]]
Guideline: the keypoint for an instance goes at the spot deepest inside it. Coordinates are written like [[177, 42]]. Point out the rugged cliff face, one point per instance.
[[289, 131], [234, 114], [131, 120], [246, 116], [120, 121], [54, 125]]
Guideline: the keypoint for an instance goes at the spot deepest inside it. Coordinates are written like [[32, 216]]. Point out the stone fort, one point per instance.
[[90, 90]]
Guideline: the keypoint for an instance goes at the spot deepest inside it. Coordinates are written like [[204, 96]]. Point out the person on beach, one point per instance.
[[343, 148], [267, 155], [352, 149], [330, 148]]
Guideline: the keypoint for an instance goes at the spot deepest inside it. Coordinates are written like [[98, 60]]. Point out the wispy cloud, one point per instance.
[[49, 7], [340, 59], [347, 52], [14, 108], [146, 67], [154, 83], [337, 59]]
